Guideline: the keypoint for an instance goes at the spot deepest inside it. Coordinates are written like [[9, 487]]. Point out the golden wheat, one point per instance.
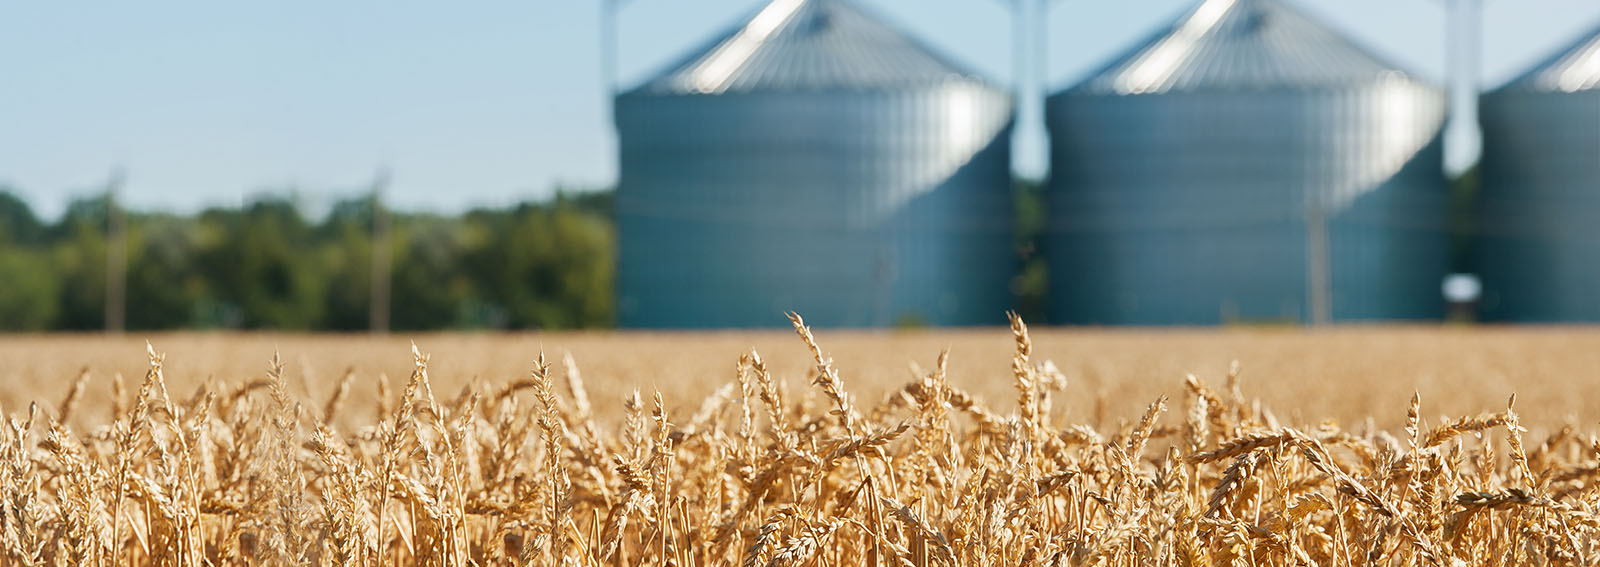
[[760, 474]]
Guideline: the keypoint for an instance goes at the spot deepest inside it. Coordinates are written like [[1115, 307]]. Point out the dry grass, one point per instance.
[[787, 455]]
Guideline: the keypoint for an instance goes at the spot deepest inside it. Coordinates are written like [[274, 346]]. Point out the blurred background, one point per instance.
[[869, 163]]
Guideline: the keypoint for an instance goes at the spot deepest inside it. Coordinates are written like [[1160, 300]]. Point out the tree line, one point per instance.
[[536, 265]]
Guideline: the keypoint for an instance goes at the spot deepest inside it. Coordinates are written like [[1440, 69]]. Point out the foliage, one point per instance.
[[1463, 197], [1031, 284], [266, 266], [17, 221], [28, 301]]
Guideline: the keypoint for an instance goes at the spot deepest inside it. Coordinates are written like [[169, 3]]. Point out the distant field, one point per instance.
[[1304, 375]]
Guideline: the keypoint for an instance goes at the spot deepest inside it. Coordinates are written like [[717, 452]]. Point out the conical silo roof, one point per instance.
[[1575, 68], [807, 45], [1239, 45]]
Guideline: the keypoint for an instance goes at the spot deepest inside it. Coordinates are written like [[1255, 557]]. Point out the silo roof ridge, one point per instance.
[[1240, 45], [808, 45], [1574, 68]]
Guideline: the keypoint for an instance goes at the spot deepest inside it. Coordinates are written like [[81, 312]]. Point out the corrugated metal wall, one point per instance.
[[851, 201], [1185, 190], [1538, 216]]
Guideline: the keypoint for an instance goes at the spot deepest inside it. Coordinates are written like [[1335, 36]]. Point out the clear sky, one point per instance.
[[487, 102]]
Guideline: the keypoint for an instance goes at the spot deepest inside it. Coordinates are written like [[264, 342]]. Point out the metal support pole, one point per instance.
[[610, 11], [1041, 73], [1021, 91], [1019, 50], [608, 45], [1029, 58], [1464, 46], [1041, 68], [1022, 81]]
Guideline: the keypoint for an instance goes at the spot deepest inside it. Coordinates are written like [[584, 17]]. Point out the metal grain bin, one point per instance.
[[1248, 164], [1538, 220], [814, 159]]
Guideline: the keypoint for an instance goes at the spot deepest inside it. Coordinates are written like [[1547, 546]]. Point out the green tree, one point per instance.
[[28, 299], [1463, 197], [164, 285], [536, 265], [18, 225], [1032, 282], [428, 289], [263, 266], [552, 267], [78, 254], [345, 252]]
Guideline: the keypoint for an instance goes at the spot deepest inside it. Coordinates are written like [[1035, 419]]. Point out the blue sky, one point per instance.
[[488, 102]]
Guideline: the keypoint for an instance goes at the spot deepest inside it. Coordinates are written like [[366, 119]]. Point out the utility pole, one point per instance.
[[381, 250], [116, 257]]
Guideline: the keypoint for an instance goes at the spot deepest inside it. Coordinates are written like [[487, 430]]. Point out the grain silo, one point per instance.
[[814, 159], [1538, 245], [1247, 164]]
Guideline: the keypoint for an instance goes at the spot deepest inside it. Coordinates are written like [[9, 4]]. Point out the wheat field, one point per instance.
[[1346, 446]]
